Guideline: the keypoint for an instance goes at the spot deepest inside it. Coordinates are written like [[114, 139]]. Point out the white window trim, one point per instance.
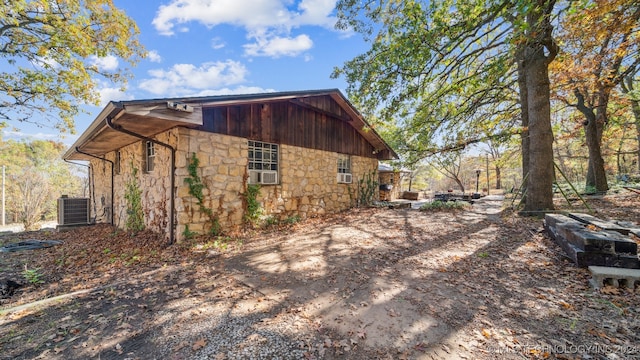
[[149, 156], [344, 172], [263, 176]]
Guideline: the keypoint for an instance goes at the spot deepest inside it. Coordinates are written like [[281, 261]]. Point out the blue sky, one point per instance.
[[214, 47]]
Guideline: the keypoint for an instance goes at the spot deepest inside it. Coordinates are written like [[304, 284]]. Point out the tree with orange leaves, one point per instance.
[[600, 40]]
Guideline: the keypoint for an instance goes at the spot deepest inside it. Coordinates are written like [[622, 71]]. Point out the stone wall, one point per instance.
[[222, 169], [154, 185], [307, 182], [309, 186]]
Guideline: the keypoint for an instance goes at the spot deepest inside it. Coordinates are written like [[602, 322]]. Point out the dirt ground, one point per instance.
[[482, 283]]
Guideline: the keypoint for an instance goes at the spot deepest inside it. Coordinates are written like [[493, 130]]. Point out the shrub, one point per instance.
[[438, 205]]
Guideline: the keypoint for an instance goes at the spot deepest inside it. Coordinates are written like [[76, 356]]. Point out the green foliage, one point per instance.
[[367, 188], [220, 243], [33, 276], [271, 221], [188, 234], [289, 220], [36, 177], [465, 47], [253, 208], [444, 205], [195, 189], [195, 183], [216, 228], [292, 219], [441, 72], [51, 52], [133, 197]]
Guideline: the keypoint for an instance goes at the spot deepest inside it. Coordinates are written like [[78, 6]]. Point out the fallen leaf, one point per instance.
[[486, 333], [610, 290], [199, 344], [119, 348], [567, 305]]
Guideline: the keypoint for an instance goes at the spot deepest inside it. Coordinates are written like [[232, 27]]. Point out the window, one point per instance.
[[116, 163], [150, 155], [344, 169], [263, 163], [344, 164]]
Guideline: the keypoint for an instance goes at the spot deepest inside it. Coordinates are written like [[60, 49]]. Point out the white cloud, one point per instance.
[[54, 135], [183, 79], [43, 61], [269, 22], [274, 46], [36, 136], [217, 43], [107, 63], [154, 56], [112, 94], [236, 90]]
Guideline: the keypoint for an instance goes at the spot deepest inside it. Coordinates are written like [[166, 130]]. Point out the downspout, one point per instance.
[[112, 175], [172, 226]]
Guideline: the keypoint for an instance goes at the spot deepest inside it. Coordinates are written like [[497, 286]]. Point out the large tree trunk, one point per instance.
[[540, 184], [524, 136], [635, 106], [627, 87], [536, 70], [498, 178], [594, 125]]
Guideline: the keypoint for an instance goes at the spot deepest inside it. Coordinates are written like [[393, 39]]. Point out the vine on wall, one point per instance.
[[133, 197], [195, 189], [366, 189], [253, 209]]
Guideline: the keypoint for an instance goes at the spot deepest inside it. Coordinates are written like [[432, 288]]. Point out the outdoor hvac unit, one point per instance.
[[73, 211], [344, 178]]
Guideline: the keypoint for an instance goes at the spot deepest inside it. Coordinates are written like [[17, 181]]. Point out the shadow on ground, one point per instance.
[[372, 283]]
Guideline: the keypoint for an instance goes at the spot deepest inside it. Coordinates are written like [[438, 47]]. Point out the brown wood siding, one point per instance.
[[291, 124]]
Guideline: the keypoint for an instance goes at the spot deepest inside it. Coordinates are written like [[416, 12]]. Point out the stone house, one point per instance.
[[306, 150]]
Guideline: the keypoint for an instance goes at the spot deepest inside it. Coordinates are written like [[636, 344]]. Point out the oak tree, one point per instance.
[[35, 177], [443, 68], [601, 40], [628, 86], [54, 54]]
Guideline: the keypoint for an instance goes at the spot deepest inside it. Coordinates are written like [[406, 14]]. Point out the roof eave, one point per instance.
[[111, 109]]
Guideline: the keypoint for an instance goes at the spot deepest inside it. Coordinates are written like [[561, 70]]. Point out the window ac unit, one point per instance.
[[269, 177], [344, 178], [254, 177], [73, 211]]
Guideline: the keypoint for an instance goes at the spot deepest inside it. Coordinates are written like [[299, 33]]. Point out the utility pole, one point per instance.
[[3, 215]]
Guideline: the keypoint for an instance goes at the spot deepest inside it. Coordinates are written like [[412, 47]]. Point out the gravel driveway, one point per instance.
[[364, 284]]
